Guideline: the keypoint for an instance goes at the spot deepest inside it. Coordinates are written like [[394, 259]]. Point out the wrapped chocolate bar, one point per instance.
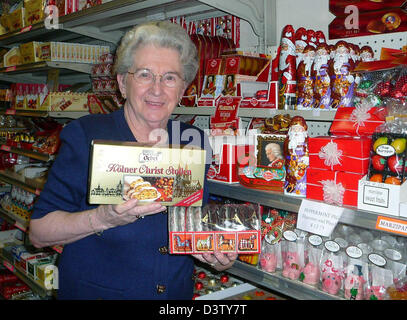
[[225, 228]]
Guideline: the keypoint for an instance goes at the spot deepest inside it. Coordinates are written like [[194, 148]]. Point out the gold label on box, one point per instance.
[[173, 176]]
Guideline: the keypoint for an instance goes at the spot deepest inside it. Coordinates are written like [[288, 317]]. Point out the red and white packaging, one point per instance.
[[226, 152], [225, 120], [356, 121], [340, 153], [333, 187]]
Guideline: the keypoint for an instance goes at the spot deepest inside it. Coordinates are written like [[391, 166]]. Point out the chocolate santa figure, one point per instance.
[[366, 54], [286, 70], [311, 38], [305, 80], [320, 37], [342, 81], [296, 157], [322, 80], [300, 43]]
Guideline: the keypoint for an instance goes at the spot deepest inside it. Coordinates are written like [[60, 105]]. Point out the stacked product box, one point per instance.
[[336, 164], [383, 190]]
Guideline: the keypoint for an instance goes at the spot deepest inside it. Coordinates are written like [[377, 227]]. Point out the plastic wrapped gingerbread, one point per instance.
[[296, 157]]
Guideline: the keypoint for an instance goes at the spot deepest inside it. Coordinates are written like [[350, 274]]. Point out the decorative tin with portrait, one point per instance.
[[264, 170]]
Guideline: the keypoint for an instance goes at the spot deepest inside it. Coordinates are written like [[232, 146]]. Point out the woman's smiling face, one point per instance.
[[153, 102]]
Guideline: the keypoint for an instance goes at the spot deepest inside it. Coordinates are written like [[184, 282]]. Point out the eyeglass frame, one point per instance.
[[156, 75]]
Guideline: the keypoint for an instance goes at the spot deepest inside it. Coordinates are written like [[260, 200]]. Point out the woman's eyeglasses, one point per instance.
[[146, 77]]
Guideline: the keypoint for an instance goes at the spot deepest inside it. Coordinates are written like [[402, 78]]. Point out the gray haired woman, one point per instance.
[[120, 251]]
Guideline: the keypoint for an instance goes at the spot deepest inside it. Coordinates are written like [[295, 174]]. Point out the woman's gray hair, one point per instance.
[[162, 34]]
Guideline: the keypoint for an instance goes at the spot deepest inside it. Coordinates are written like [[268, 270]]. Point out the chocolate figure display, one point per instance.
[[305, 81], [342, 81], [322, 80], [300, 44], [296, 157], [286, 70]]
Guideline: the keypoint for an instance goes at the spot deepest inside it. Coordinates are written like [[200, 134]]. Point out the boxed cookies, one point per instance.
[[172, 175]]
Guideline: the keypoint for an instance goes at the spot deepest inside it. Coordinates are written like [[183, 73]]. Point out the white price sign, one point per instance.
[[318, 218]]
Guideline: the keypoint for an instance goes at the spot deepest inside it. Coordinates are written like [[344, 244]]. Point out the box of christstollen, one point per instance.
[[173, 175]]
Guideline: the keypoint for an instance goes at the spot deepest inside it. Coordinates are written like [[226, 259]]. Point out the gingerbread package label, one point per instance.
[[171, 175]]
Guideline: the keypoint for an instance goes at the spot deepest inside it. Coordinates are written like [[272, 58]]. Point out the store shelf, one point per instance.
[[123, 14], [292, 288], [36, 286], [47, 65], [28, 153], [19, 181], [43, 114], [14, 219], [278, 200], [314, 115]]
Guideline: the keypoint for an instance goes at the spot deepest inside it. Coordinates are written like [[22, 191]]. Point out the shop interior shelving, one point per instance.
[[315, 115], [351, 216], [276, 282]]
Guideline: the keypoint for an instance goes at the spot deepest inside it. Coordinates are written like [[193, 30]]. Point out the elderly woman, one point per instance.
[[110, 252]]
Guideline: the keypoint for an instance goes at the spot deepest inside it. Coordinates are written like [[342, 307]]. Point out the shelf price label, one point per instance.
[[10, 112], [8, 265], [5, 148], [318, 218], [391, 225]]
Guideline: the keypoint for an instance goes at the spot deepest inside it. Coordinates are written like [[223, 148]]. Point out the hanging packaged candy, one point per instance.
[[395, 263], [270, 257], [397, 291], [224, 228], [311, 272], [388, 158], [292, 252], [356, 274], [332, 273], [380, 278]]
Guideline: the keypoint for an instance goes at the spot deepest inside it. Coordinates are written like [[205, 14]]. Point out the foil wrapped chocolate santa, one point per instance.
[[322, 79], [342, 80], [296, 157], [287, 70], [305, 80]]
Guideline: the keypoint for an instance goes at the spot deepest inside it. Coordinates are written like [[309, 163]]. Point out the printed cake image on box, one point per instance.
[[120, 171]]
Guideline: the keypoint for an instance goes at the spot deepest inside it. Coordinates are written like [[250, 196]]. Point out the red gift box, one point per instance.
[[340, 153], [326, 185], [226, 156], [354, 122]]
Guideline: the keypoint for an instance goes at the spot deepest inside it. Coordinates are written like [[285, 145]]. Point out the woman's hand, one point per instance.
[[219, 261], [109, 216]]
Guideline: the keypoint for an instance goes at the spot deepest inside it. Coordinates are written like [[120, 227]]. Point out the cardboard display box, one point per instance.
[[382, 198]]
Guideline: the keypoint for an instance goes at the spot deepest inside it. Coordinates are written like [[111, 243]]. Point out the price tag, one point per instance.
[[318, 218], [11, 112], [8, 265], [5, 148], [20, 226], [391, 225], [9, 69], [26, 29]]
